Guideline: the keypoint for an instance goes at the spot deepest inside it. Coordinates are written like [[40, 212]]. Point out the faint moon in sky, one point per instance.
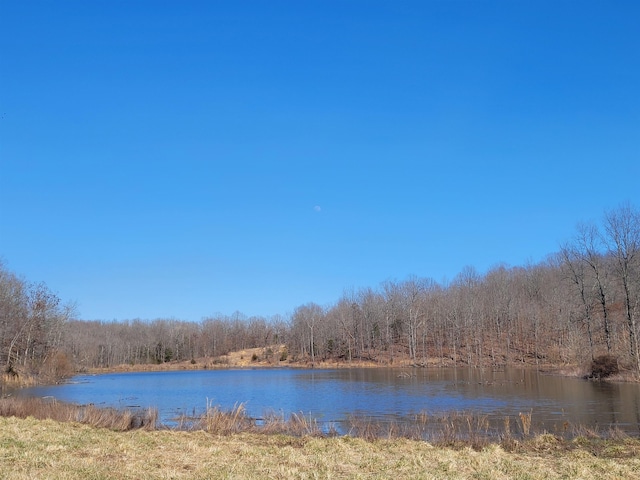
[[317, 208]]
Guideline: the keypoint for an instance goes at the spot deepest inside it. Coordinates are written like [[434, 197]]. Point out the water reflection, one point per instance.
[[381, 394]]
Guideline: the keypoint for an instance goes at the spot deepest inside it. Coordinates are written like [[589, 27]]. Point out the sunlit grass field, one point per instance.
[[31, 449]]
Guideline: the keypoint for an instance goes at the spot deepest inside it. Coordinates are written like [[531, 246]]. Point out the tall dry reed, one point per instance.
[[49, 408], [454, 429], [222, 422], [297, 424], [525, 422]]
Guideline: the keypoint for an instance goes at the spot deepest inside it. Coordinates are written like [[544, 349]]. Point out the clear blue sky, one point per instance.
[[182, 158]]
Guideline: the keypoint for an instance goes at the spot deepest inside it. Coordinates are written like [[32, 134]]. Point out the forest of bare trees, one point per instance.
[[578, 304], [33, 327]]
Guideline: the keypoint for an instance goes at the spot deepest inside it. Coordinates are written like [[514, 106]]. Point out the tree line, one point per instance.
[[33, 327], [580, 302]]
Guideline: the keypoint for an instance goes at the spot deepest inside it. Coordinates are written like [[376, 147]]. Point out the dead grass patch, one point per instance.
[[43, 409], [13, 379], [33, 448], [454, 429]]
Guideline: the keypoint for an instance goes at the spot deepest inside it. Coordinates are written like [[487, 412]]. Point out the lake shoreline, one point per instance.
[[242, 361], [259, 358], [238, 360], [415, 401]]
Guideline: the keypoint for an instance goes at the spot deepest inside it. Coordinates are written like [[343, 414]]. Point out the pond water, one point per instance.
[[379, 394]]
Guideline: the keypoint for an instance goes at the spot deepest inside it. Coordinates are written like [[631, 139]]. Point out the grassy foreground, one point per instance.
[[34, 449]]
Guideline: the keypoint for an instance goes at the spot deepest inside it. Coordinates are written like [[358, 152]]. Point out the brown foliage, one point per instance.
[[57, 366], [604, 366]]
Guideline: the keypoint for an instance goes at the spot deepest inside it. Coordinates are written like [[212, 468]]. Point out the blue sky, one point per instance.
[[183, 158]]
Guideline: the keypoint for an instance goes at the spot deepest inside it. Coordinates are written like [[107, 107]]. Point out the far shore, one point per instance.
[[255, 358], [242, 360]]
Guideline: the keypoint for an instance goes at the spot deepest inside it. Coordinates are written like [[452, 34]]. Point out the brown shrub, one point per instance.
[[57, 366], [604, 366]]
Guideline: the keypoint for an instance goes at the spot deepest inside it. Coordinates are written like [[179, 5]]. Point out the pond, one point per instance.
[[377, 394]]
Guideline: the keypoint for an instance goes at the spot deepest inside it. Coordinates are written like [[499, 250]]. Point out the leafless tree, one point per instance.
[[589, 250], [309, 316], [622, 227], [577, 275]]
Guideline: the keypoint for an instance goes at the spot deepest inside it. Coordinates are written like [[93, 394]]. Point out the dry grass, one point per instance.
[[226, 422], [453, 429], [296, 425], [14, 380], [44, 409], [230, 444], [525, 423], [31, 448], [219, 422]]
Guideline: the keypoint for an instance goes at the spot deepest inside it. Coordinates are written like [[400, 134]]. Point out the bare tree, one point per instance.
[[588, 249], [622, 227], [309, 315], [578, 277], [466, 286], [31, 322], [497, 306]]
